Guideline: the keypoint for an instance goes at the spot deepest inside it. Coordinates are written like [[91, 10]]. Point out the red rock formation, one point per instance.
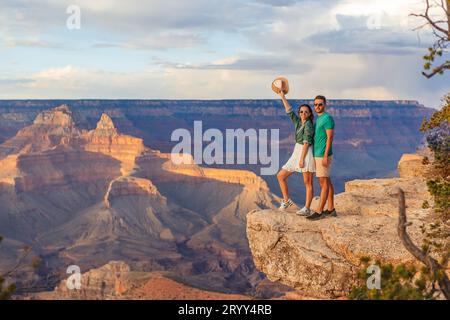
[[106, 140], [49, 129], [132, 186]]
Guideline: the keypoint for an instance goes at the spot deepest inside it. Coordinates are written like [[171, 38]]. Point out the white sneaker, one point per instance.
[[304, 212], [285, 204]]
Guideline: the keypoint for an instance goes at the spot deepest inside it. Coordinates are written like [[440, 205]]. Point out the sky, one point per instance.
[[215, 49]]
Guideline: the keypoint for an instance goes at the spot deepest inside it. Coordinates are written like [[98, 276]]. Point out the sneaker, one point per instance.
[[316, 216], [285, 204], [304, 212], [331, 213]]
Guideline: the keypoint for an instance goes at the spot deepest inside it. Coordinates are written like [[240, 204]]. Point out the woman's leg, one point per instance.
[[308, 180], [282, 177]]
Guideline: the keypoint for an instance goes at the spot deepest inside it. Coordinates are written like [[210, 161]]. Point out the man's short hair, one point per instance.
[[320, 97]]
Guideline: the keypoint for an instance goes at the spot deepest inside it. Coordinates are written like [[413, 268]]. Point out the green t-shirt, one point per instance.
[[323, 123]]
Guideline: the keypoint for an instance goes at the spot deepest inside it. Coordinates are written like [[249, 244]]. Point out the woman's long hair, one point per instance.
[[311, 114]]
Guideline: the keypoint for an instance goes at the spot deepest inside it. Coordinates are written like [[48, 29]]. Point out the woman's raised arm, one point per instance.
[[286, 104]]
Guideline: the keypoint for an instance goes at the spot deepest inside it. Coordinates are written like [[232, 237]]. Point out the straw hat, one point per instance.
[[280, 83]]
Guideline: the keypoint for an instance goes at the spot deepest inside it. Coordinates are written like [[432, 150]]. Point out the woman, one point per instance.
[[302, 159]]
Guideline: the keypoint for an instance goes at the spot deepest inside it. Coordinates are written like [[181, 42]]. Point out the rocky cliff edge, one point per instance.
[[323, 256]]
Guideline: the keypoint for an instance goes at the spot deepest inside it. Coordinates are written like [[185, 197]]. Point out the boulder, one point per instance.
[[411, 165]]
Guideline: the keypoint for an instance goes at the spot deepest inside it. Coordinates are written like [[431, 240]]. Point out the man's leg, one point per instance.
[[330, 199], [282, 177], [323, 182]]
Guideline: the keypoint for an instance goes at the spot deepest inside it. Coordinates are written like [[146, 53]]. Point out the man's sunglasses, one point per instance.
[[318, 104]]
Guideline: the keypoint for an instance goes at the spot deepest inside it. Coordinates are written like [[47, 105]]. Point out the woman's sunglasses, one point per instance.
[[306, 112]]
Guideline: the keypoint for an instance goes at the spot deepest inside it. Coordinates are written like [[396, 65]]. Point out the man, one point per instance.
[[323, 158]]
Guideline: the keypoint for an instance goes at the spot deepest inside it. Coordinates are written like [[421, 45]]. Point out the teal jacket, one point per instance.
[[304, 132]]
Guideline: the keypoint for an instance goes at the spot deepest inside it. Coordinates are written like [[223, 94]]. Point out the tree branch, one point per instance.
[[436, 269], [431, 22], [18, 263], [436, 70]]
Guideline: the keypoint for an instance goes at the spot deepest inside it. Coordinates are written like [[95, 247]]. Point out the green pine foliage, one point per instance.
[[437, 133], [5, 292], [402, 282], [434, 53]]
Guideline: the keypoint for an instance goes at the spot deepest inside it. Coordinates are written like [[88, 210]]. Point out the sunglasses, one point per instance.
[[318, 104], [306, 112]]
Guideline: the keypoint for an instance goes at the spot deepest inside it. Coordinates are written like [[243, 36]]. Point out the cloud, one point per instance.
[[36, 43], [160, 41], [76, 82], [14, 81], [274, 63], [363, 34], [277, 3], [133, 16], [370, 93]]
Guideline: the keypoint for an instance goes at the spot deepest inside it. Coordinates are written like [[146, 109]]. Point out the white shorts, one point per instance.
[[294, 161]]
